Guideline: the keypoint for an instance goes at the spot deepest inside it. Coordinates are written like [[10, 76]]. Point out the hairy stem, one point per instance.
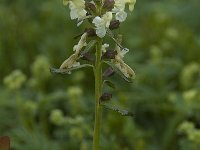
[[98, 91]]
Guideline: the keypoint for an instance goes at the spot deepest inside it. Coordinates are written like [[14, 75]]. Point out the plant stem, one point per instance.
[[98, 91]]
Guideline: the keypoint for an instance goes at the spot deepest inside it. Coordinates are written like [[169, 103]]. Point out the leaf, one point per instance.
[[119, 72], [111, 35], [67, 71], [109, 83], [109, 32], [77, 36], [89, 46], [118, 110]]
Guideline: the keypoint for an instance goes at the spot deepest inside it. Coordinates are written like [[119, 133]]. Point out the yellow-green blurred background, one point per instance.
[[40, 111]]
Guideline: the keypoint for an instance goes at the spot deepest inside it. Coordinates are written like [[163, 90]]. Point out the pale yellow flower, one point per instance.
[[102, 23], [77, 8], [131, 4], [119, 8]]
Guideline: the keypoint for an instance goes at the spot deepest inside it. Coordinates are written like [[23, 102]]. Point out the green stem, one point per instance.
[[98, 91]]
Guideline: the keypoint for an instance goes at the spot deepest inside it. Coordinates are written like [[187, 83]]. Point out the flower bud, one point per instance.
[[109, 54], [88, 57], [109, 4], [105, 97], [91, 8], [90, 32], [114, 24], [108, 72]]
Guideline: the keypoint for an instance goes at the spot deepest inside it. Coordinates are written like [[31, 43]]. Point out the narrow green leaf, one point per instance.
[[111, 35], [119, 72], [118, 110], [77, 36], [89, 46], [67, 71], [109, 83]]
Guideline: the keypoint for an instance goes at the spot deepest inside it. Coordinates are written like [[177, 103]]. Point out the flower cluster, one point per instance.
[[103, 16], [81, 10]]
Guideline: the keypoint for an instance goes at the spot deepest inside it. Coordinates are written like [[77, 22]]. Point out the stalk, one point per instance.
[[98, 91]]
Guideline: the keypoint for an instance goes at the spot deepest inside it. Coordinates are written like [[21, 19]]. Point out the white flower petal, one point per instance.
[[79, 23], [102, 23], [81, 43], [121, 16], [77, 8], [119, 5], [104, 46], [97, 20], [107, 18], [101, 32], [75, 47], [131, 4], [73, 12]]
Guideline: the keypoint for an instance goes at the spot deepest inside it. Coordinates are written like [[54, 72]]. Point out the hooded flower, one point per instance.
[[131, 4], [119, 9], [102, 23], [77, 8]]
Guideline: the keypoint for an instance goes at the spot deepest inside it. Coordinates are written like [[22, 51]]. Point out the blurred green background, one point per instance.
[[40, 111]]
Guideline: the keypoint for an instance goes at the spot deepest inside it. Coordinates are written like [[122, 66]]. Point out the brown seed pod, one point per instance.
[[91, 8], [88, 57], [90, 32], [114, 24], [108, 4], [108, 72], [105, 97], [109, 54]]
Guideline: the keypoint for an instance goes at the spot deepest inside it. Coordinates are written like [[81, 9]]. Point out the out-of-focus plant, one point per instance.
[[191, 135], [103, 17], [15, 80], [40, 73]]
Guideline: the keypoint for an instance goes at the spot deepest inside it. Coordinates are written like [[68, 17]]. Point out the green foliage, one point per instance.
[[42, 112]]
